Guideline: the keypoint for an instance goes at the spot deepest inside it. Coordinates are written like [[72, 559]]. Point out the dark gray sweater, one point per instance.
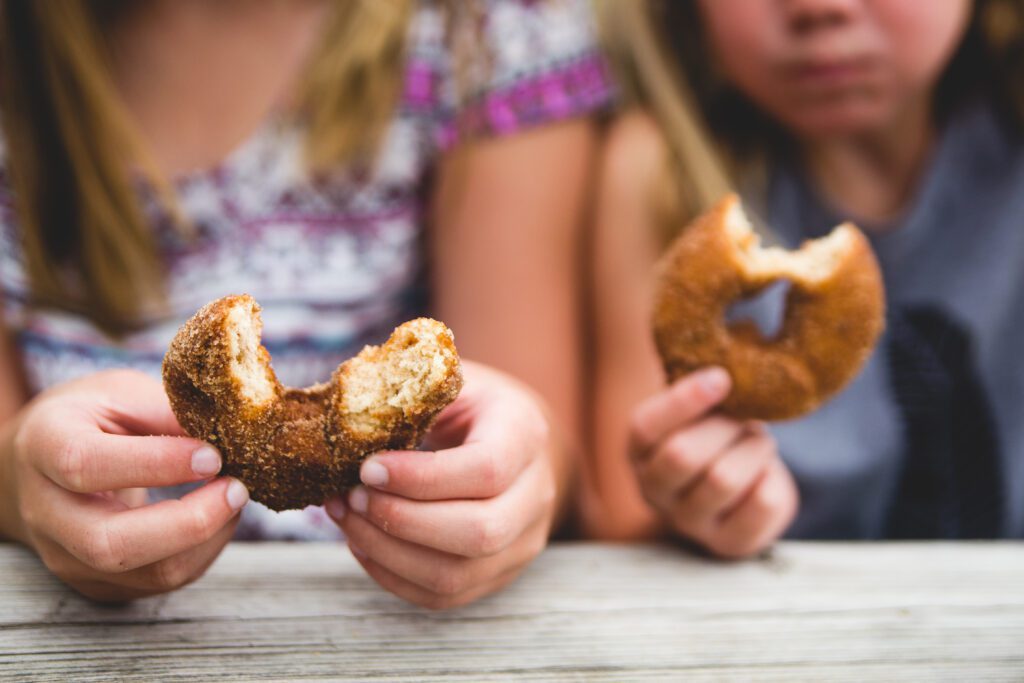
[[929, 440]]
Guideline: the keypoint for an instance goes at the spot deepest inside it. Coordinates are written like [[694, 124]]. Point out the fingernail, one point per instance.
[[237, 495], [714, 382], [373, 473], [359, 499], [206, 461], [335, 508], [356, 551]]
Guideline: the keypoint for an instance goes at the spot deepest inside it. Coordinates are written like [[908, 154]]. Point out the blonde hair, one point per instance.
[[716, 138], [695, 175], [75, 158]]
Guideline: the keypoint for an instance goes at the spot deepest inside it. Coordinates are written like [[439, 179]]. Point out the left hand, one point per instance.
[[442, 528]]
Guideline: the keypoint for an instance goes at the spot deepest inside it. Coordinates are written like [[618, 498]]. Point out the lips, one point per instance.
[[830, 73]]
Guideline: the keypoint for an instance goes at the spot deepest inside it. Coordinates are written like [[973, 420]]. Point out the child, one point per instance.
[[905, 117], [162, 154]]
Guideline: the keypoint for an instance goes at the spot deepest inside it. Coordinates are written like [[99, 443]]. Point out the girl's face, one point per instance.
[[834, 67]]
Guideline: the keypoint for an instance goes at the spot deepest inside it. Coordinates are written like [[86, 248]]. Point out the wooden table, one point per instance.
[[581, 612]]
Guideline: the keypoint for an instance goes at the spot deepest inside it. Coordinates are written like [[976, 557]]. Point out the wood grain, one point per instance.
[[581, 612]]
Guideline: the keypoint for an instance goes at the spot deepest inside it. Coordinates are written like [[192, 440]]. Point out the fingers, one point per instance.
[[724, 484], [469, 528], [182, 569], [423, 597], [682, 458], [100, 441], [491, 439], [482, 469], [760, 518], [168, 574], [113, 540], [130, 402], [95, 461], [683, 402], [441, 574]]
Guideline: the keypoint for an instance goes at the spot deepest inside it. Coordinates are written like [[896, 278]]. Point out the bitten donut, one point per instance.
[[835, 312], [297, 447]]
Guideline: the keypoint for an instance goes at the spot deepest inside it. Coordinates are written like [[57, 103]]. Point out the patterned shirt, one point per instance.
[[337, 262]]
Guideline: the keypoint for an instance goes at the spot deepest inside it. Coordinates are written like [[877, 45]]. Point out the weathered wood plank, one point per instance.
[[582, 611]]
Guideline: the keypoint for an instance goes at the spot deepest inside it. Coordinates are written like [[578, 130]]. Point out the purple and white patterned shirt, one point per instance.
[[335, 263]]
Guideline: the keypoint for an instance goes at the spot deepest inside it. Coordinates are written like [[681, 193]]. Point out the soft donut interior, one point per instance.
[[243, 338], [399, 376], [814, 262]]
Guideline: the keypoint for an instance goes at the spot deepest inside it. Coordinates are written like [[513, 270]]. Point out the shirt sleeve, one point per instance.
[[505, 66]]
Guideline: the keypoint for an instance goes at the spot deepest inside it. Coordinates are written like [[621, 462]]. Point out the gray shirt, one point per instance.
[[954, 273]]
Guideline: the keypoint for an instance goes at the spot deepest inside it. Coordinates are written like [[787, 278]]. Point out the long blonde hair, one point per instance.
[[716, 139], [76, 161]]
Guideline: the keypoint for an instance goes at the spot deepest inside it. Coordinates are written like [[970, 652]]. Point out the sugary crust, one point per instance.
[[295, 449], [830, 326]]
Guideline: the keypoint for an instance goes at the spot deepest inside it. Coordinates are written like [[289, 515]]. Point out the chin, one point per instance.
[[836, 121]]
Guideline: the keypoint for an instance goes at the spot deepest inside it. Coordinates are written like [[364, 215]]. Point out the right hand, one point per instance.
[[79, 460], [715, 480]]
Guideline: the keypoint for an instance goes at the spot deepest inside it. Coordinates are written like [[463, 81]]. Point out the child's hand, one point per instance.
[[715, 480], [443, 528], [81, 455]]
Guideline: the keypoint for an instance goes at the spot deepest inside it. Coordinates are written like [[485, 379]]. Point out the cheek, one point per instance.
[[743, 35], [922, 36]]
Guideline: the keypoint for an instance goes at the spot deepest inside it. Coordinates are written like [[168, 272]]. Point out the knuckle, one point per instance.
[[171, 574], [421, 482], [493, 479], [387, 513], [720, 481], [687, 397], [764, 500], [100, 551], [682, 453], [70, 466], [449, 581], [201, 523], [641, 431], [488, 536]]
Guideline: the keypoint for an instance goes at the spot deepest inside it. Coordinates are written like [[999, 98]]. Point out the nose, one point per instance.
[[804, 16]]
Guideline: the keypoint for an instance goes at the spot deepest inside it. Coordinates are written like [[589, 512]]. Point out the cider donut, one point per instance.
[[297, 447], [835, 312]]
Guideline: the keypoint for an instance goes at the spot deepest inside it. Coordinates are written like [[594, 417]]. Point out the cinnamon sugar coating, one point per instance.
[[835, 312], [298, 447]]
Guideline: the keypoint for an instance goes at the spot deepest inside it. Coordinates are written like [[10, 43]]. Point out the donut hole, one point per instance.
[[243, 340], [765, 309], [396, 379]]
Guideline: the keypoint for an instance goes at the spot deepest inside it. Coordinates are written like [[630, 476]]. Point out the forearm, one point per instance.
[[609, 503], [11, 526], [506, 270]]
